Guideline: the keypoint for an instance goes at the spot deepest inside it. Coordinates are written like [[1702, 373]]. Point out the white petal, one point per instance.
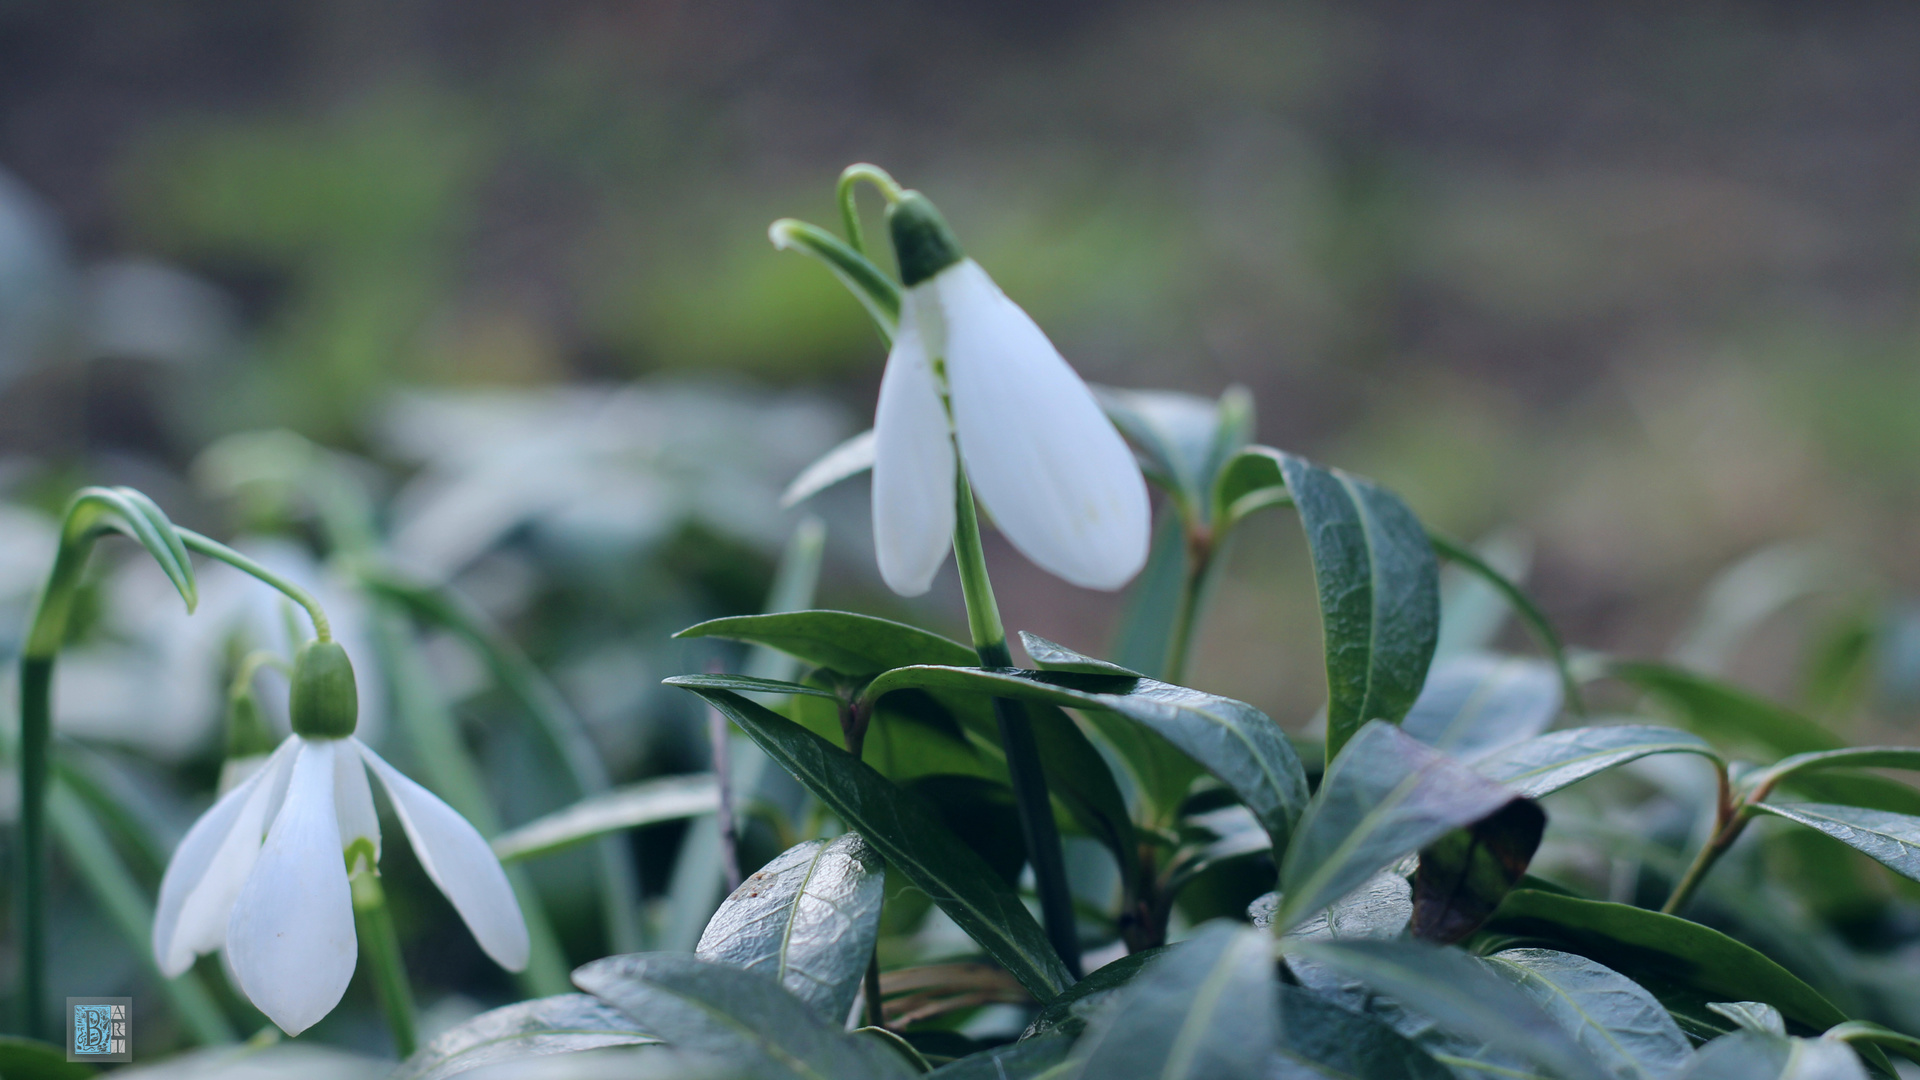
[[353, 805], [460, 862], [1044, 460], [291, 937], [912, 466], [208, 868]]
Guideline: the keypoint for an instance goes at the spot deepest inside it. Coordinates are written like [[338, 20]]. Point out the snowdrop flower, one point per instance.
[[262, 873], [969, 368]]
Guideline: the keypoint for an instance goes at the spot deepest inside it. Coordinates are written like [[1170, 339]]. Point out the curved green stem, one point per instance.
[[214, 549], [381, 946], [1524, 606], [1729, 820], [1016, 736], [849, 209], [1202, 558]]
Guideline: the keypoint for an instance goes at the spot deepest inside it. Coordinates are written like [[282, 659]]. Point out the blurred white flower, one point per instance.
[[1043, 458], [282, 906]]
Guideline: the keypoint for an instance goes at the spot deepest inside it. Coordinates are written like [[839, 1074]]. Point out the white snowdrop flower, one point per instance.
[[970, 368], [264, 873]]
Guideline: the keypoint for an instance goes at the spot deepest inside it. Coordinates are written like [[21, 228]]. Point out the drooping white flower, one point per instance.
[[969, 367], [264, 873]]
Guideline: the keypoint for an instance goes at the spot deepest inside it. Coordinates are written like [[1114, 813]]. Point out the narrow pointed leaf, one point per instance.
[[1892, 840], [809, 918], [744, 1019], [1461, 994], [1161, 774], [1233, 740], [565, 1024], [843, 462], [1203, 1010], [1729, 716], [1348, 1045], [1068, 1013], [1620, 1024], [1248, 481], [1145, 633], [649, 802], [749, 684], [1857, 757], [1465, 874], [1386, 797], [1752, 1015], [839, 640], [910, 837], [1866, 1031], [1558, 759], [1379, 595], [1475, 704], [1682, 963]]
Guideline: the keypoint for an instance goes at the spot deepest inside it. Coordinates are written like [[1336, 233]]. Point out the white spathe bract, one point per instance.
[[1043, 458], [282, 905]]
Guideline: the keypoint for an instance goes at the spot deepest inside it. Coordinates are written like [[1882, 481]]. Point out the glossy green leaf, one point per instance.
[[1024, 1060], [744, 1019], [1160, 772], [1729, 716], [1379, 595], [1892, 840], [809, 918], [1053, 656], [1235, 741], [1465, 874], [1473, 610], [1616, 1020], [1461, 994], [1752, 1015], [1202, 1010], [648, 802], [1545, 764], [1067, 1014], [1754, 1055], [1475, 704], [565, 1024], [1183, 440], [1145, 633], [1854, 757], [844, 462], [1684, 964], [910, 838], [749, 684], [1866, 1031], [1536, 620], [841, 641], [1347, 1045], [1250, 480], [1387, 796]]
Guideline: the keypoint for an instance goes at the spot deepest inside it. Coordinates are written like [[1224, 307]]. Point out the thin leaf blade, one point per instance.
[[1616, 1020], [1543, 765], [646, 803]]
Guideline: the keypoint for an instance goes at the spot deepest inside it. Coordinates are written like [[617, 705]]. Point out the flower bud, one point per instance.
[[922, 244], [325, 702], [247, 733]]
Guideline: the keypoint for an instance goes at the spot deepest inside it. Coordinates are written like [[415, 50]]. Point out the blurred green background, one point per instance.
[[1630, 287]]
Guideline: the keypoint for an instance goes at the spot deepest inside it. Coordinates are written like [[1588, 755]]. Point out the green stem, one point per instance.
[[1523, 605], [381, 946], [1024, 771], [1729, 820], [849, 210], [1193, 590], [214, 549]]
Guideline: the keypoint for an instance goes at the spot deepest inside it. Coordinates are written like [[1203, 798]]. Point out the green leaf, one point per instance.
[[1470, 560], [1053, 656], [1183, 440], [1866, 1031], [1387, 795], [1203, 1010], [649, 802], [910, 838], [1068, 1013], [844, 462], [749, 684], [745, 1019], [1023, 1060], [1472, 608], [1620, 1024], [30, 1059], [565, 1024], [1729, 716], [1465, 874], [868, 284], [1233, 740], [1475, 704], [841, 641], [1856, 757], [1461, 994], [1348, 1045], [901, 1048], [1752, 1015], [1684, 964], [1755, 1055], [1892, 840], [809, 918], [1379, 595], [1250, 480], [1145, 633], [1161, 774], [1545, 764]]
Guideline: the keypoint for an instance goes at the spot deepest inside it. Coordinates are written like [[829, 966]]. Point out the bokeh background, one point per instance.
[[1630, 288]]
